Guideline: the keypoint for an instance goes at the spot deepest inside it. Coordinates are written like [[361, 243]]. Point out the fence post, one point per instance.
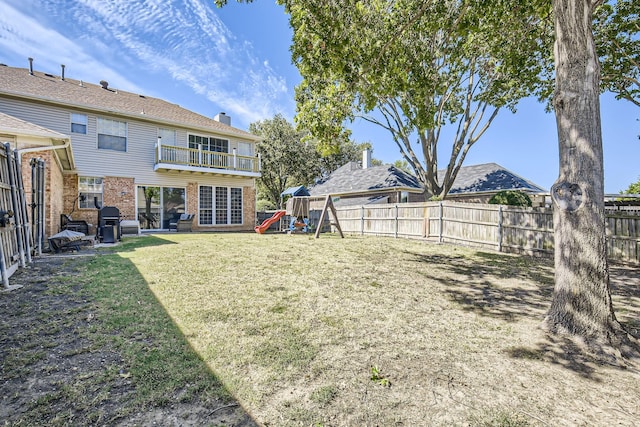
[[395, 230], [17, 217], [362, 220], [440, 221], [23, 207], [499, 228]]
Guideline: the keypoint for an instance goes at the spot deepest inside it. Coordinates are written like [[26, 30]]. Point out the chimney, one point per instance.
[[104, 84], [31, 66], [223, 118], [62, 77], [366, 158]]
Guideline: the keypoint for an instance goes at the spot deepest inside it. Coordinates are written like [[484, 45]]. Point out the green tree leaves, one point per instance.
[[414, 71]]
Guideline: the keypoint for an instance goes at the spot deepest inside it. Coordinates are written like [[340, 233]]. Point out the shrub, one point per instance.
[[511, 198]]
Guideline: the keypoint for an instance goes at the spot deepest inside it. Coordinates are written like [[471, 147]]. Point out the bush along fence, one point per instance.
[[497, 227]]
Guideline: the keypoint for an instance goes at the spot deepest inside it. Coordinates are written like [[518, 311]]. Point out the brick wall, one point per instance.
[[121, 193], [71, 204]]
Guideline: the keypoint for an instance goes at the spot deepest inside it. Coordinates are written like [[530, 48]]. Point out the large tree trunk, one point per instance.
[[581, 303]]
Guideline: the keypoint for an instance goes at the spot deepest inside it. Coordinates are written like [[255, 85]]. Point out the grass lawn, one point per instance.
[[360, 331]]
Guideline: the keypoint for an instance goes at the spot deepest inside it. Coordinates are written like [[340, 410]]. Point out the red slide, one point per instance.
[[260, 229]]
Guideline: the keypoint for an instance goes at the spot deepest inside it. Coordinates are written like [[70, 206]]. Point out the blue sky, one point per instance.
[[237, 60]]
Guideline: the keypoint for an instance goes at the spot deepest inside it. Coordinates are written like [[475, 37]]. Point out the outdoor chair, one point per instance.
[[183, 223]]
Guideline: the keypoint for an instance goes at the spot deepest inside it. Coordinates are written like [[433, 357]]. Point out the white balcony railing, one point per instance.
[[199, 158]]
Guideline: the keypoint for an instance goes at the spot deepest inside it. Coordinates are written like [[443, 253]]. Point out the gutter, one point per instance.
[[47, 148], [129, 115]]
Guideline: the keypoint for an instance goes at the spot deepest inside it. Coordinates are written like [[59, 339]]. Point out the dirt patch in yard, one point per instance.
[[438, 336], [53, 374]]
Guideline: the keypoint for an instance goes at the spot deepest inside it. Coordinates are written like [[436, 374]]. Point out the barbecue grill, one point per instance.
[[109, 224]]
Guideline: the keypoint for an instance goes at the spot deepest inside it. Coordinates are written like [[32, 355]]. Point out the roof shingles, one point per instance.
[[17, 82], [352, 179]]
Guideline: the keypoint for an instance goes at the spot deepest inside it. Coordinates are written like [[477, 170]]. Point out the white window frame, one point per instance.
[[167, 136], [79, 123], [210, 141], [90, 187], [231, 212], [115, 132]]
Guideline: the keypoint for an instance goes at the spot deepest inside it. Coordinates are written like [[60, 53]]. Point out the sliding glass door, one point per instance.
[[159, 206]]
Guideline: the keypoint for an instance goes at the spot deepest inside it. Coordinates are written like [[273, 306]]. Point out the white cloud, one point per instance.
[[113, 40]]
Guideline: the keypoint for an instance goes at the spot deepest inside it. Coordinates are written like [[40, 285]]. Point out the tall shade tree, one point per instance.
[[380, 47], [581, 304], [413, 69], [286, 159]]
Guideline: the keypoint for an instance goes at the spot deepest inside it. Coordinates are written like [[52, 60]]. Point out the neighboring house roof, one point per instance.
[[358, 201], [47, 88], [489, 177], [29, 136], [353, 179], [300, 190]]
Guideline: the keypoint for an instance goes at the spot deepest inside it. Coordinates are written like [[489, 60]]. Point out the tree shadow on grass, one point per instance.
[[561, 351], [494, 285], [512, 288], [625, 292]]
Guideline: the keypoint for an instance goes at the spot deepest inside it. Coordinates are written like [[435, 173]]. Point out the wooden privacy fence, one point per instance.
[[502, 228], [15, 238]]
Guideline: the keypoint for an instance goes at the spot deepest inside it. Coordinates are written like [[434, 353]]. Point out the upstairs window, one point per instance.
[[167, 136], [112, 134], [209, 143], [79, 123]]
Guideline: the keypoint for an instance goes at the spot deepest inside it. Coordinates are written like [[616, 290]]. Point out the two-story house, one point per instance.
[[151, 159]]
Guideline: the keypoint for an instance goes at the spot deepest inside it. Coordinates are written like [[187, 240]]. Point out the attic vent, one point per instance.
[[142, 96], [49, 75], [104, 84]]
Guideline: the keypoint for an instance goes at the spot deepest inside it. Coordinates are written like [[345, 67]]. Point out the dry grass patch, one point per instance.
[[295, 327]]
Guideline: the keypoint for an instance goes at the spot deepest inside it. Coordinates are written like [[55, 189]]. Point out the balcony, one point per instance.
[[172, 158]]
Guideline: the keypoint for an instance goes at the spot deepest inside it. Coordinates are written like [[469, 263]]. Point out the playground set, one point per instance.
[[297, 208]]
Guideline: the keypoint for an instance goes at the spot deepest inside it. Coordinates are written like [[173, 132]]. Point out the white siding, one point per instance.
[[137, 162]]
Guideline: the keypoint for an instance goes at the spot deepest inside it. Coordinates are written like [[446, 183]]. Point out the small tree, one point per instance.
[[286, 160], [511, 198], [634, 188]]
